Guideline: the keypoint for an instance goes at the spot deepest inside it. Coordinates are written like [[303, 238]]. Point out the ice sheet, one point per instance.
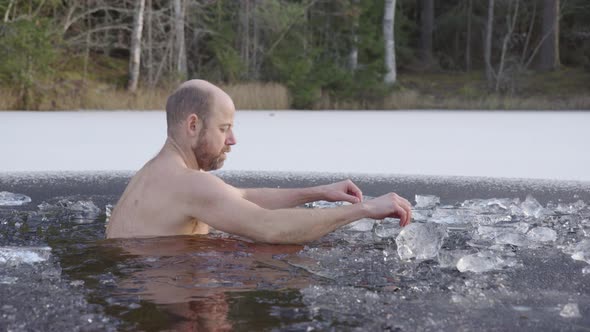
[[272, 141]]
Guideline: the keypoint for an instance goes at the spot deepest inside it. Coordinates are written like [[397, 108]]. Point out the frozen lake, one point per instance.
[[544, 145]]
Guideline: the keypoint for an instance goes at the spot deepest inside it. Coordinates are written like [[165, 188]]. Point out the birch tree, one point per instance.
[[549, 55], [353, 56], [388, 34], [179, 40], [488, 43], [426, 29], [135, 50], [468, 41]]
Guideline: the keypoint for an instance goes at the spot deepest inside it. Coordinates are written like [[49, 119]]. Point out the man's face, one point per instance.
[[215, 138]]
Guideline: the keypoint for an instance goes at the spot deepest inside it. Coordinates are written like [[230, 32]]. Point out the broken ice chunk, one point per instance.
[[494, 205], [422, 241], [483, 262], [570, 310], [449, 259], [27, 255], [426, 201], [491, 219], [512, 238], [84, 211], [542, 234], [532, 208], [573, 208], [11, 199], [80, 212], [361, 225], [452, 216], [387, 228], [580, 251], [421, 215]]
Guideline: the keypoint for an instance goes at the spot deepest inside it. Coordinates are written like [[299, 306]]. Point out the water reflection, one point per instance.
[[194, 279]]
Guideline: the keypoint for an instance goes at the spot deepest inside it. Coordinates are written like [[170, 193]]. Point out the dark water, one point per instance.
[[352, 279]]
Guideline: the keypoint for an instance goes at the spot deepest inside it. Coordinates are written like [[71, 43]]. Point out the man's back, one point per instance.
[[152, 204]]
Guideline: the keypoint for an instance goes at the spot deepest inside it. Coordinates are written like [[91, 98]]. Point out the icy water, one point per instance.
[[481, 254]]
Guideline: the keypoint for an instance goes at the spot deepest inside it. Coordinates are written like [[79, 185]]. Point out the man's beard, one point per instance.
[[208, 161]]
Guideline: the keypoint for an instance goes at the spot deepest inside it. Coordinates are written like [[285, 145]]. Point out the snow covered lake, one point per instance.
[[542, 145]]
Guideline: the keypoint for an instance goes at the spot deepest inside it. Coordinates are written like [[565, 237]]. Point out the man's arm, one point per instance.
[[223, 207], [273, 198]]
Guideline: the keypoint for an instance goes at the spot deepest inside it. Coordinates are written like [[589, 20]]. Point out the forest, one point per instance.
[[297, 54]]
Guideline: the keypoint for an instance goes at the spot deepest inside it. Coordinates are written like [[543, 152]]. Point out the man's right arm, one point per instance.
[[223, 207]]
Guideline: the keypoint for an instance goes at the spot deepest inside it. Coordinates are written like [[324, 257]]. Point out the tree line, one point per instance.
[[348, 49]]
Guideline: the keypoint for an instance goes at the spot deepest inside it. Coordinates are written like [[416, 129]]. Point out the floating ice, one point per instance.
[[426, 201], [517, 234], [84, 210], [421, 215], [448, 258], [27, 255], [452, 216], [492, 232], [6, 280], [361, 225], [532, 208], [491, 219], [422, 241], [79, 211], [326, 204], [542, 234], [570, 310], [484, 261], [572, 208], [494, 205], [108, 210], [580, 251], [11, 199], [511, 238], [388, 228]]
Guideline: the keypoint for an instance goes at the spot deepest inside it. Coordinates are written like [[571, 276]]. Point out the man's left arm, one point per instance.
[[275, 198]]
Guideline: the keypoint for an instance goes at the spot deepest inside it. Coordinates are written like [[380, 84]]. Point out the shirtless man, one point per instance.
[[173, 194]]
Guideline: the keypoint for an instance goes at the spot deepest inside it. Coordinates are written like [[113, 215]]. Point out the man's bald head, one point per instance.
[[191, 97]]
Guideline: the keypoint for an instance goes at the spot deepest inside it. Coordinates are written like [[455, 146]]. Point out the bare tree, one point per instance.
[[468, 42], [488, 43], [135, 50], [180, 49], [388, 34], [426, 29], [511, 23], [353, 57], [549, 52]]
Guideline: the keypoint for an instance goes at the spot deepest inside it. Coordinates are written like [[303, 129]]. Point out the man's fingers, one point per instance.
[[407, 202], [401, 213], [348, 198], [406, 207], [354, 190]]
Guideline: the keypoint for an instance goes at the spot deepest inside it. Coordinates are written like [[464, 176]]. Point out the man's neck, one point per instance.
[[184, 152]]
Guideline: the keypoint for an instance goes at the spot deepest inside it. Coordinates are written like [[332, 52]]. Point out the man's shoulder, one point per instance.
[[204, 183]]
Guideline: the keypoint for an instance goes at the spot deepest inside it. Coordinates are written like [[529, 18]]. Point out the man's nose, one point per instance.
[[231, 139]]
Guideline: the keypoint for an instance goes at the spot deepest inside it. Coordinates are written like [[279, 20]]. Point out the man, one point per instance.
[[173, 194]]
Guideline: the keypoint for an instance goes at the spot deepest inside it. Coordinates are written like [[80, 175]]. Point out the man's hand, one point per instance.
[[390, 205], [342, 191]]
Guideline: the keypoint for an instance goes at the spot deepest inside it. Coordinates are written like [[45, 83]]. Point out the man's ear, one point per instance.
[[193, 125]]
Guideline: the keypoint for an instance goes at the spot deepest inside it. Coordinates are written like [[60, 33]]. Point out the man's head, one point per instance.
[[201, 115]]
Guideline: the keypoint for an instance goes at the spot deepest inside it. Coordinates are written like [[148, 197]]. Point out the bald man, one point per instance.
[[173, 194]]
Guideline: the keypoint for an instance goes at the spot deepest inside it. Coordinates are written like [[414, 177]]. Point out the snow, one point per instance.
[[524, 144]]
